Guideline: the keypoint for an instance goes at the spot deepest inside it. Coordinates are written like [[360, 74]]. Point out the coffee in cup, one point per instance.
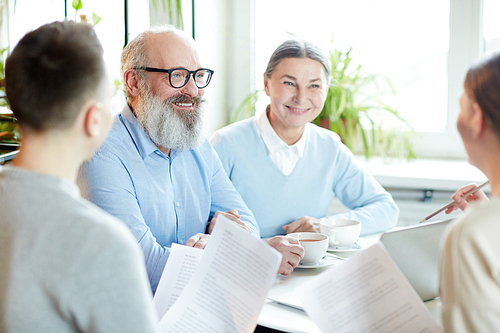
[[314, 244], [341, 232]]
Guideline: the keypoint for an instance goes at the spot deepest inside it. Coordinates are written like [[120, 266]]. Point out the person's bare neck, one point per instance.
[[164, 150], [289, 135], [487, 158], [491, 171], [49, 154]]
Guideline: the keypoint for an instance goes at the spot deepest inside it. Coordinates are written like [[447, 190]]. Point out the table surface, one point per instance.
[[288, 319]]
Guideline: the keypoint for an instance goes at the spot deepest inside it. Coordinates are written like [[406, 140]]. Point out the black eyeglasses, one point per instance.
[[179, 77]]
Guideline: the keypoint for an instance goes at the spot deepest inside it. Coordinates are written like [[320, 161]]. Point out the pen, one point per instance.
[[453, 202]]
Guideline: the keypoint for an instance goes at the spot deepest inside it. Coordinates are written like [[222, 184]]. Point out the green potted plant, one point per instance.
[[9, 130], [167, 6], [353, 110], [365, 123]]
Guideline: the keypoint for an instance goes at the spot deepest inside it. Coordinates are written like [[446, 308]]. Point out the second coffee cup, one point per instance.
[[342, 232]]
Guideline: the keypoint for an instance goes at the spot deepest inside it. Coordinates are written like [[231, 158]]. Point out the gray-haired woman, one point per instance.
[[288, 170]]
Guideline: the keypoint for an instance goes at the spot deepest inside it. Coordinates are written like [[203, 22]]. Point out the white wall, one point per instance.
[[224, 31], [211, 35]]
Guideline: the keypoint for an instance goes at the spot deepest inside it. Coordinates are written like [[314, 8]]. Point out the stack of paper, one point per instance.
[[219, 289], [368, 294]]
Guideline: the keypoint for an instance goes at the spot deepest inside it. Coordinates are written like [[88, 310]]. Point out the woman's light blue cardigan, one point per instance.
[[326, 169]]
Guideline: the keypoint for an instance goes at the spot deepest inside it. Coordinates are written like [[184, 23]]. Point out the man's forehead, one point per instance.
[[172, 50]]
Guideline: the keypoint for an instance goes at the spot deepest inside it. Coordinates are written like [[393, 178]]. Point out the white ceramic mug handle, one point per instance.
[[332, 237]]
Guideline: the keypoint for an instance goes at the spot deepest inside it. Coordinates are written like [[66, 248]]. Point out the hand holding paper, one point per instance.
[[228, 288]]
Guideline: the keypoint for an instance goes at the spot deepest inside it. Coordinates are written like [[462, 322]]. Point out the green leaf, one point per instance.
[[77, 4], [118, 84], [96, 18], [180, 20], [169, 6], [247, 108], [365, 145], [342, 103]]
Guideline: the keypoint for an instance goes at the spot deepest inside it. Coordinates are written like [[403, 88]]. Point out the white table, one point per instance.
[[288, 319]]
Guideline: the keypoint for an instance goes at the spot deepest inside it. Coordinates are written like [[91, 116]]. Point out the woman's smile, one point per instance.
[[297, 89]]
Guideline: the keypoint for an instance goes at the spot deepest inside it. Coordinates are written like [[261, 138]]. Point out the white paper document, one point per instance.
[[368, 293], [181, 265], [228, 288]]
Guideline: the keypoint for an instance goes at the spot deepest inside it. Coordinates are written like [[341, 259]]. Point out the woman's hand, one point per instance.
[[304, 224], [462, 203]]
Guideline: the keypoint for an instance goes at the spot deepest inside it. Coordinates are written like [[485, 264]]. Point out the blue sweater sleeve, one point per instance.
[[369, 202]]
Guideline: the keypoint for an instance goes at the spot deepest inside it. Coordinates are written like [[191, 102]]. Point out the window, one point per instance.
[[491, 26], [424, 47], [27, 15], [387, 37]]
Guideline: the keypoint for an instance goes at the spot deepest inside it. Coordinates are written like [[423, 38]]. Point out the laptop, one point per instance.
[[415, 250]]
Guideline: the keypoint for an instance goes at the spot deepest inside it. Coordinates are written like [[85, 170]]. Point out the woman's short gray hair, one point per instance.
[[134, 55], [297, 48]]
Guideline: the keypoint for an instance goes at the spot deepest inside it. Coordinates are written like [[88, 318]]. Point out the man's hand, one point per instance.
[[199, 240], [304, 224], [462, 203], [291, 250], [233, 216]]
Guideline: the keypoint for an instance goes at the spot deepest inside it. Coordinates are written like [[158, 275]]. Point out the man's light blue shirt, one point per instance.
[[162, 199]]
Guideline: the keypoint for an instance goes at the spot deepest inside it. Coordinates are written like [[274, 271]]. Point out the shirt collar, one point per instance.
[[272, 141], [141, 140]]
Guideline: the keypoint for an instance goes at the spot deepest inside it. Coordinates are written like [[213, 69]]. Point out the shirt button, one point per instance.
[[178, 204]]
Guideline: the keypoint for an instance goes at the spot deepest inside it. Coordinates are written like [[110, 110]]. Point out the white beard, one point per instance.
[[165, 126]]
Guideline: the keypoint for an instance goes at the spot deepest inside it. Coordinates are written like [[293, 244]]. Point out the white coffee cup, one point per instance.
[[341, 232], [314, 244]]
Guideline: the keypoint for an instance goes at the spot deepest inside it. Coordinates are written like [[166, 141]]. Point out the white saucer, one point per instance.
[[354, 247], [327, 260]]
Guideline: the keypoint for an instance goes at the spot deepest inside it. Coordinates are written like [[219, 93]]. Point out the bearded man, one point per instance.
[[156, 171]]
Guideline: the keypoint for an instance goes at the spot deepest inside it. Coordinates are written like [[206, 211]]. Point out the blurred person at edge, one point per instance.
[[65, 264], [470, 252]]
